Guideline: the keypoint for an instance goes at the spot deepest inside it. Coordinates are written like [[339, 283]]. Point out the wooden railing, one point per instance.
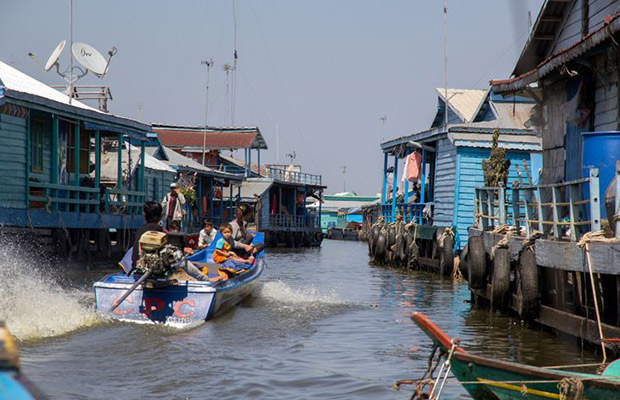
[[411, 212], [294, 177], [59, 197], [561, 210], [293, 221]]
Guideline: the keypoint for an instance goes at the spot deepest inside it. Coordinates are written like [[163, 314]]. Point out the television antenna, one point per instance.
[[209, 64], [292, 156], [87, 56]]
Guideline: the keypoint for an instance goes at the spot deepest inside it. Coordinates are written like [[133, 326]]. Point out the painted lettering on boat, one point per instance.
[[152, 305], [122, 311], [177, 308]]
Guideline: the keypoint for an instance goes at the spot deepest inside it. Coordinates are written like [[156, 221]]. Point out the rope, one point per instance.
[[503, 243], [457, 275], [570, 389], [584, 244]]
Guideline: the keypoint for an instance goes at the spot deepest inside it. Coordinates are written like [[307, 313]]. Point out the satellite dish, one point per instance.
[[55, 54], [90, 58]]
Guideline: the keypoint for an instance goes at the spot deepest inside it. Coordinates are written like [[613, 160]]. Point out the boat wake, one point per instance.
[[32, 303], [287, 296]]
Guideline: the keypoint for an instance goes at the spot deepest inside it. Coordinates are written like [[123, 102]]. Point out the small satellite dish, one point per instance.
[[90, 58], [55, 54]]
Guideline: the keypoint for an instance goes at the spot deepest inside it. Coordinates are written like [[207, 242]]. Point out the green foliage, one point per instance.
[[496, 167]]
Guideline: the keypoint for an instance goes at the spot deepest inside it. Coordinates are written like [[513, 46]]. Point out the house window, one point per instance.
[[84, 149], [37, 138]]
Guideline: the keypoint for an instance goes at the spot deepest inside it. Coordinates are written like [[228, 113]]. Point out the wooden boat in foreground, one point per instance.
[[13, 384], [178, 302], [488, 379]]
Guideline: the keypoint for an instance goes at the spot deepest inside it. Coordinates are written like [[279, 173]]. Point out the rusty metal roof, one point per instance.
[[555, 61], [217, 138], [542, 36]]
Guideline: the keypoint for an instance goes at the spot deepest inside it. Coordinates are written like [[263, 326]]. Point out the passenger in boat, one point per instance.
[[207, 235], [223, 253], [152, 216], [172, 205], [241, 239]]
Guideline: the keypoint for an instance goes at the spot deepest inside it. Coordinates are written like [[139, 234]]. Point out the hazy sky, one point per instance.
[[321, 73]]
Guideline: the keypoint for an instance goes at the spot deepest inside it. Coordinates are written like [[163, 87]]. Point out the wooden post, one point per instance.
[[595, 203], [250, 162], [423, 178], [502, 203], [516, 214], [97, 168], [573, 195], [527, 196], [384, 183], [617, 210], [199, 200], [258, 161], [119, 164], [555, 198], [210, 197], [539, 211], [142, 162], [54, 177], [480, 209], [394, 187], [230, 201], [28, 161], [222, 203], [406, 185]]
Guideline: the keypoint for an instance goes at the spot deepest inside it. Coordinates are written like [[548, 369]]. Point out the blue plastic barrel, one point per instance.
[[601, 150]]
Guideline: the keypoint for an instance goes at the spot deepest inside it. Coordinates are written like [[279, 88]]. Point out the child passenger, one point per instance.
[[223, 253]]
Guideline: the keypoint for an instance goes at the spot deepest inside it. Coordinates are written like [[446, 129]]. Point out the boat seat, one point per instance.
[[213, 269]]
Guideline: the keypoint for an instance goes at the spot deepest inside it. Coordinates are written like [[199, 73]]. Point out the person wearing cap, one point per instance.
[[242, 240], [173, 205]]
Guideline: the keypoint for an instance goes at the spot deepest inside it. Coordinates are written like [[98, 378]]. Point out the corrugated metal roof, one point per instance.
[[335, 205], [485, 140], [16, 84], [254, 187], [109, 163], [464, 102], [217, 138], [180, 161], [551, 63]]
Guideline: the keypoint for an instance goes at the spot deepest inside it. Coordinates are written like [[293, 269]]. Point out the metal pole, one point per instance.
[[71, 78], [394, 187], [445, 57], [204, 139]]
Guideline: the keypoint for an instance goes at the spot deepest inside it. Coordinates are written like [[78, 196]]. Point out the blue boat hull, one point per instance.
[[183, 303]]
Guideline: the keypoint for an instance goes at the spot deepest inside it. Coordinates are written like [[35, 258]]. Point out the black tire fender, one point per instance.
[[500, 280], [446, 256], [476, 263], [527, 291]]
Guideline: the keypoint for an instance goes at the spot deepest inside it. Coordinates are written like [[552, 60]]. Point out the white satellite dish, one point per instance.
[[90, 58], [55, 54]]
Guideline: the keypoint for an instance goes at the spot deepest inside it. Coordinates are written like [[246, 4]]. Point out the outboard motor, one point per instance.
[[156, 255]]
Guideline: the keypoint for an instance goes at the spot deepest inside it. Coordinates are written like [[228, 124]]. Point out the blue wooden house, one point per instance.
[[452, 157], [50, 167]]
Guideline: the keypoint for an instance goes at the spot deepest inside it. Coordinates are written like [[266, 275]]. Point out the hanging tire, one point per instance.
[[463, 259], [446, 256], [500, 280], [476, 263], [527, 304], [380, 247]]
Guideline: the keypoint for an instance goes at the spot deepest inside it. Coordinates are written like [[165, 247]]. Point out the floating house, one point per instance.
[[279, 197], [215, 193], [569, 68], [450, 157], [51, 149], [341, 208], [277, 193]]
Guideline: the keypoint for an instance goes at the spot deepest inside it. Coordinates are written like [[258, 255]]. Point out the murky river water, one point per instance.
[[324, 325]]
